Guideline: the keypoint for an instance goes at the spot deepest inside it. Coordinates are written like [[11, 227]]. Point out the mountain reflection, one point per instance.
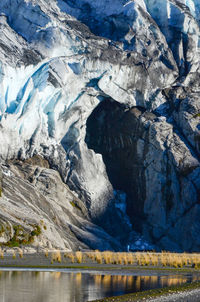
[[77, 287]]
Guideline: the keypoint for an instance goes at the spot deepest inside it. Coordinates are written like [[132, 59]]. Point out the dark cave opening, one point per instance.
[[113, 131]]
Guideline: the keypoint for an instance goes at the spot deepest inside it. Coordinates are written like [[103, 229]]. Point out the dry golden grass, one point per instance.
[[164, 259], [147, 259], [56, 257], [143, 259], [130, 258], [20, 251], [79, 257], [138, 258], [195, 261], [118, 258], [108, 257], [98, 257], [153, 259], [1, 254], [115, 258], [91, 256], [179, 260], [124, 258], [71, 257]]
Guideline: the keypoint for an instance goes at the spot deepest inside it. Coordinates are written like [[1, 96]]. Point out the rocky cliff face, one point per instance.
[[38, 209], [108, 94]]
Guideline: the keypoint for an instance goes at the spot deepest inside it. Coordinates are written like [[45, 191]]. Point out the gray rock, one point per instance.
[[35, 196]]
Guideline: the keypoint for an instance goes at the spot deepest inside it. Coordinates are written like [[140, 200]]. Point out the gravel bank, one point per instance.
[[187, 296], [189, 292]]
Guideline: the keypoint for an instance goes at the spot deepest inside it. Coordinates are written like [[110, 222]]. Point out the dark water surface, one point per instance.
[[60, 286]]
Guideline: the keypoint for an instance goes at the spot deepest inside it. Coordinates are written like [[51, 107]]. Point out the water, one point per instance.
[[63, 286]]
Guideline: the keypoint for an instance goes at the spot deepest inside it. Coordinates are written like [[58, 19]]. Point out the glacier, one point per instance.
[[108, 93]]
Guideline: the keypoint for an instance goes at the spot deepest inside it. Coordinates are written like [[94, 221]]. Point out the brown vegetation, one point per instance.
[[152, 259]]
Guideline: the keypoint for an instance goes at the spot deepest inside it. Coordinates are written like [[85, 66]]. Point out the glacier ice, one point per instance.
[[54, 72]]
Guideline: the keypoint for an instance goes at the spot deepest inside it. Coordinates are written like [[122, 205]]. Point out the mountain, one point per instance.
[[100, 123]]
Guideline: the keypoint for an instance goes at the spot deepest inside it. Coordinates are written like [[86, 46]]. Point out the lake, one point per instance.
[[65, 286]]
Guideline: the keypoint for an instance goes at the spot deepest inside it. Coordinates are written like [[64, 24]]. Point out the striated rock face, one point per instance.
[[108, 94], [35, 198]]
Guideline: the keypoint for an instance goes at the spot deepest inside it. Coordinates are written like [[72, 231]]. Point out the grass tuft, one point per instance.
[[79, 257]]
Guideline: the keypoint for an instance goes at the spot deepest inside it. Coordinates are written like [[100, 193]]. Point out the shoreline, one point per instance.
[[128, 270], [41, 262], [167, 294], [136, 271]]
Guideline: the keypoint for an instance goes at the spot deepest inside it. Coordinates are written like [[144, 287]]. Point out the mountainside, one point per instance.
[[100, 123]]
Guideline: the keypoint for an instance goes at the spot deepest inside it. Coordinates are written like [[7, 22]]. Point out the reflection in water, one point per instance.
[[29, 286]]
